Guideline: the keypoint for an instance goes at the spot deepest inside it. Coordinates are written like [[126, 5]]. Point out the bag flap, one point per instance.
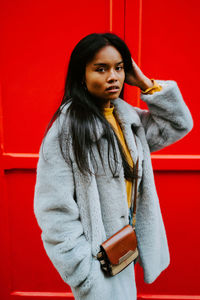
[[120, 245]]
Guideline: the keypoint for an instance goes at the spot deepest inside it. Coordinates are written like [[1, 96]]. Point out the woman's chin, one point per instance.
[[113, 97]]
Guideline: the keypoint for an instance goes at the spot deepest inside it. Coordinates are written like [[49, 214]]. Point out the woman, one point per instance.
[[87, 164]]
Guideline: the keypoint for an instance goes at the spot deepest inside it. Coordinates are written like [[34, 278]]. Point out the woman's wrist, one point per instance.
[[151, 90], [146, 84]]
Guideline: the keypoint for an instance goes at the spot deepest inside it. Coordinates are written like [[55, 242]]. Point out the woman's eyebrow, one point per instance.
[[104, 64]]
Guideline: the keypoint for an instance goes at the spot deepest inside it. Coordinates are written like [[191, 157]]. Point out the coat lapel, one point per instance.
[[129, 122]]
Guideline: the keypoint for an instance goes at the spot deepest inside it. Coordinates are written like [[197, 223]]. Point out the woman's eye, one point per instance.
[[100, 70], [119, 68]]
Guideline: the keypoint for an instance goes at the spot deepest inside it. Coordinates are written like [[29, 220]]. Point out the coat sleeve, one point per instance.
[[57, 214], [168, 118]]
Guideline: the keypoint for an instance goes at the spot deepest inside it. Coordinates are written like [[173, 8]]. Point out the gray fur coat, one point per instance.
[[77, 213]]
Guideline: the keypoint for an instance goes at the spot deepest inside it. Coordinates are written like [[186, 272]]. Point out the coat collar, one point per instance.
[[126, 113], [126, 116], [129, 121]]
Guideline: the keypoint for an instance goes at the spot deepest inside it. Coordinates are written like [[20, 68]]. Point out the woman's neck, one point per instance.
[[107, 104]]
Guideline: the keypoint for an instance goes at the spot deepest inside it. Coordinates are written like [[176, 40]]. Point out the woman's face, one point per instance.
[[104, 75]]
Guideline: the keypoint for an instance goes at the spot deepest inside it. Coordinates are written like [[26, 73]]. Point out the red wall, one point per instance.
[[37, 38]]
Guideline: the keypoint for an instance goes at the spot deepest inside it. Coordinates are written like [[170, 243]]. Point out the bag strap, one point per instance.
[[134, 200], [135, 187]]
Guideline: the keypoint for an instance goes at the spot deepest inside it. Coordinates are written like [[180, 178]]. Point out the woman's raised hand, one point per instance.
[[137, 78]]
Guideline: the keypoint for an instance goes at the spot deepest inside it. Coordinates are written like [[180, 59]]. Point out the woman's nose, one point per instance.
[[112, 76]]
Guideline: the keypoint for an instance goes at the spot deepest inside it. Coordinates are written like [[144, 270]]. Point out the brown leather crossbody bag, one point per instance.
[[117, 252]]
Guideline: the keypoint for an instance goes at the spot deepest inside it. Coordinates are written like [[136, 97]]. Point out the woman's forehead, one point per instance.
[[107, 55]]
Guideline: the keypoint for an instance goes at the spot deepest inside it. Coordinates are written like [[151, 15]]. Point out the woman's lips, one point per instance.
[[112, 89]]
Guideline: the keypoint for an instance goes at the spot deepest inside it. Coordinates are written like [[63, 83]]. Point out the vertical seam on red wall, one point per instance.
[[138, 12], [124, 20], [110, 15], [1, 129], [139, 46]]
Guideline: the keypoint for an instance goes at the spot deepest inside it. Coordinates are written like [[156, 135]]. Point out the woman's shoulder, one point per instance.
[[58, 128], [62, 121], [64, 107]]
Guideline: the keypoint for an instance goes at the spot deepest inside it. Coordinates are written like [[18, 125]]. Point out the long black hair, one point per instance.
[[85, 111]]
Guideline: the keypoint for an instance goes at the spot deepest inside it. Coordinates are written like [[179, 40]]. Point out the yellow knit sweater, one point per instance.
[[108, 113]]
